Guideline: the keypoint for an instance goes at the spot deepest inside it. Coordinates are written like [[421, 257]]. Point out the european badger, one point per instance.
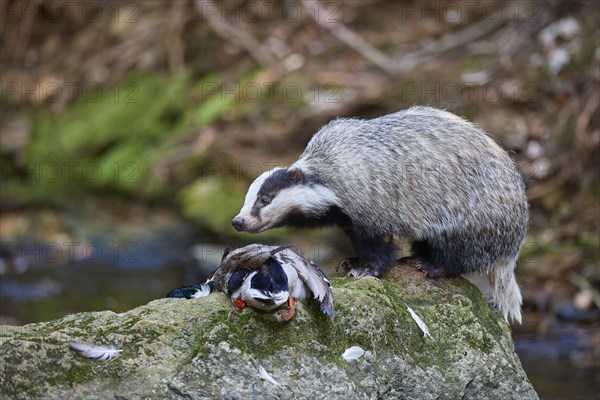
[[421, 173]]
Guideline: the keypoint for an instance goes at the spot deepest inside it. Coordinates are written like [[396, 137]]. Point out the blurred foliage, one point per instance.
[[110, 145], [122, 138], [167, 96], [211, 201]]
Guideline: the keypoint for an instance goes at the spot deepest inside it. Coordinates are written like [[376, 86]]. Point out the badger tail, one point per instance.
[[501, 288], [506, 295]]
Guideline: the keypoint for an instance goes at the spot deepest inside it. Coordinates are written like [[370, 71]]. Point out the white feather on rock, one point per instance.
[[419, 322], [92, 351], [266, 376], [202, 292], [353, 353]]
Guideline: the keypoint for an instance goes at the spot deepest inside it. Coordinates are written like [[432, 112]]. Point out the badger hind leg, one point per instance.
[[430, 270], [436, 259]]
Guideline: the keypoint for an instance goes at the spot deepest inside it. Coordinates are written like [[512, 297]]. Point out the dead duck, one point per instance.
[[265, 278]]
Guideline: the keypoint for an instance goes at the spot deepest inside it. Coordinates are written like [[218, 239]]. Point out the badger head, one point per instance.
[[279, 196]]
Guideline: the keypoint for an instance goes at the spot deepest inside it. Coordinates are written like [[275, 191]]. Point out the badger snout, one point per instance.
[[238, 223]]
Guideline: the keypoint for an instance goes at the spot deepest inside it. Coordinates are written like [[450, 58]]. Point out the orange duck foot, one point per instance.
[[286, 315], [239, 304]]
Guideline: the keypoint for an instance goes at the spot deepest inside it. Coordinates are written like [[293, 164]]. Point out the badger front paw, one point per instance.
[[347, 264], [363, 272], [358, 270]]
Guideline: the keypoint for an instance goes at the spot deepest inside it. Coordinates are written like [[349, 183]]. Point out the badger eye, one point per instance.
[[263, 200]]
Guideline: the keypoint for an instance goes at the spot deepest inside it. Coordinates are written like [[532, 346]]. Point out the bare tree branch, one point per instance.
[[252, 46], [351, 39], [431, 48]]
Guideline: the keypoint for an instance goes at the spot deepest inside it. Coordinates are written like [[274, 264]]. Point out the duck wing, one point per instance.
[[249, 257], [312, 275], [237, 263]]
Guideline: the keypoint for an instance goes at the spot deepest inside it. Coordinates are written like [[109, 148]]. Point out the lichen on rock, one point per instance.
[[199, 349]]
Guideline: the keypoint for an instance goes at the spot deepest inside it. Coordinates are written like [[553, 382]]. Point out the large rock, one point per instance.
[[199, 349]]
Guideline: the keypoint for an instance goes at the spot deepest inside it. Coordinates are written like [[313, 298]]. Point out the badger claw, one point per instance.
[[357, 270], [346, 264], [360, 273], [430, 270]]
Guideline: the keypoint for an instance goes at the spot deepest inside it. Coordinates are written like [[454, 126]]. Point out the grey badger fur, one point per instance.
[[422, 173]]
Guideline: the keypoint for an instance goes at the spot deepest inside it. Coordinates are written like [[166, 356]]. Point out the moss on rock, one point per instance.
[[199, 348]]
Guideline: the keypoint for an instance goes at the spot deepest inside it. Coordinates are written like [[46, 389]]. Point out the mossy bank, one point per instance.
[[199, 349]]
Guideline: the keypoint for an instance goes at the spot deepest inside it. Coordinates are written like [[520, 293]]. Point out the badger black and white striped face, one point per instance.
[[277, 195]]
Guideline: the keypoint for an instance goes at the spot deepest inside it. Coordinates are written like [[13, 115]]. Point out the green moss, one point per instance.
[[87, 321], [79, 373]]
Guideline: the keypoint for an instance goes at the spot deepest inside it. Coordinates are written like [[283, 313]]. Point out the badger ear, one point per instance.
[[296, 175]]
